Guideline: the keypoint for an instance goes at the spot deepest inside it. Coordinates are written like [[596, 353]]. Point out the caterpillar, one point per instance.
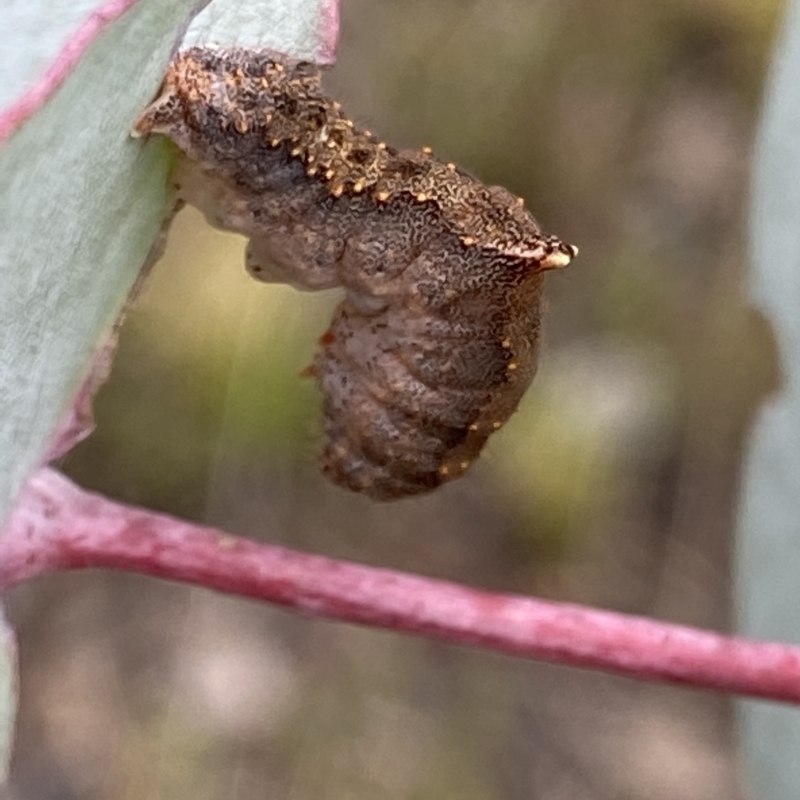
[[436, 339]]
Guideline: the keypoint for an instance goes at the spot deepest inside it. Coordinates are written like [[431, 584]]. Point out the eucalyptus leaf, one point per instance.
[[768, 580], [82, 203], [8, 694]]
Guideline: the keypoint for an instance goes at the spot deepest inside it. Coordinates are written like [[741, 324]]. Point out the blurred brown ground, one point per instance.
[[628, 127]]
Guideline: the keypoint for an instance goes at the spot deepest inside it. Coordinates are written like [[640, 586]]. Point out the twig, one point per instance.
[[58, 526]]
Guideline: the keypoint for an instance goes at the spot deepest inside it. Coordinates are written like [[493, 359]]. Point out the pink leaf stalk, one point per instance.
[[58, 526]]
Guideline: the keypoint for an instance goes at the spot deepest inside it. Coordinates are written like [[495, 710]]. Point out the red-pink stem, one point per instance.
[[58, 526]]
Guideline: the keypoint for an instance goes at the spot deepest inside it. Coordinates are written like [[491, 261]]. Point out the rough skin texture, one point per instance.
[[436, 339]]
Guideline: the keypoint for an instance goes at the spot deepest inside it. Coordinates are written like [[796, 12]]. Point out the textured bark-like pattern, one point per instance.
[[436, 340]]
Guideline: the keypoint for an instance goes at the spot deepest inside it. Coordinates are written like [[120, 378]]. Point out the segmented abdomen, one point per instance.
[[411, 397]]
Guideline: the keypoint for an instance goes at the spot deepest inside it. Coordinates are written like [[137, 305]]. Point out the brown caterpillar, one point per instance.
[[436, 339]]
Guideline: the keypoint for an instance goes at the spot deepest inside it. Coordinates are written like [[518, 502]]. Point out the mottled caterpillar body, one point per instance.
[[436, 339]]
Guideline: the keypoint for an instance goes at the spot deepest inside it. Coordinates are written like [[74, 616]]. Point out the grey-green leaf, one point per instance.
[[769, 547], [82, 203]]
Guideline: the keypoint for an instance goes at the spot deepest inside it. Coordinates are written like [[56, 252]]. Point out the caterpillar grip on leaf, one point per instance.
[[436, 339]]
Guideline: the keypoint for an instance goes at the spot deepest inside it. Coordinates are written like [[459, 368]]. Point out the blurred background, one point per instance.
[[628, 127]]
